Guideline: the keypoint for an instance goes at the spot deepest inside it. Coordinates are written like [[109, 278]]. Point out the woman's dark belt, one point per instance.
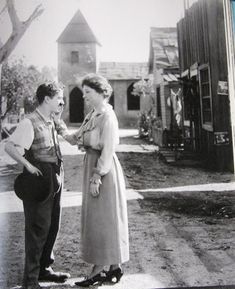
[[90, 150]]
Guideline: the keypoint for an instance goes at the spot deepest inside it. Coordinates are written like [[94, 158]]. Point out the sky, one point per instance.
[[121, 26]]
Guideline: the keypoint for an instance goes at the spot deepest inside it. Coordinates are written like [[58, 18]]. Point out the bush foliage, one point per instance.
[[18, 86]]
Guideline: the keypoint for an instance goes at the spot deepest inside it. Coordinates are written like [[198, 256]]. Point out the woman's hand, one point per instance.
[[71, 139], [81, 147], [94, 189], [95, 183]]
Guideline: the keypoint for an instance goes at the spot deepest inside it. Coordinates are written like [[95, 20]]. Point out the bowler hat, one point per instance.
[[29, 187]]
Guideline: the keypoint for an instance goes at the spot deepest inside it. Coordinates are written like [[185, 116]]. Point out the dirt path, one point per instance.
[[176, 239], [193, 246]]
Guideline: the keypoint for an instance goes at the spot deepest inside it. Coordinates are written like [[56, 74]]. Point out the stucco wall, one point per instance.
[[126, 118], [69, 74]]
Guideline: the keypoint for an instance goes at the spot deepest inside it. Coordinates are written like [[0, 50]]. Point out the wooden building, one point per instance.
[[163, 64], [229, 14], [204, 75]]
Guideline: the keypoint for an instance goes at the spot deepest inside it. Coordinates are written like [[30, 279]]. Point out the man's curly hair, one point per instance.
[[48, 89]]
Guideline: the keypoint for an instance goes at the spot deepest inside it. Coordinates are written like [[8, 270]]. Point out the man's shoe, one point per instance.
[[50, 275]]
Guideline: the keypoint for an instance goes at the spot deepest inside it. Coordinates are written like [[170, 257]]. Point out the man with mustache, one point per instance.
[[34, 144]]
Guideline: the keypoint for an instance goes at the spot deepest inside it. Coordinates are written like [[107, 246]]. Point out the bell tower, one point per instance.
[[77, 55]]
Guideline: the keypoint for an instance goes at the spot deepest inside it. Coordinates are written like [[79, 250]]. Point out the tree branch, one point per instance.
[[19, 28], [13, 16], [3, 9], [36, 13], [3, 116]]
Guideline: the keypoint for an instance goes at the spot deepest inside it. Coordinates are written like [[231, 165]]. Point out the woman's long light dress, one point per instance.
[[104, 223]]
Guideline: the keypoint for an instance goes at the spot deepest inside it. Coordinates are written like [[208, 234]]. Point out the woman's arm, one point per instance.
[[109, 139], [73, 138]]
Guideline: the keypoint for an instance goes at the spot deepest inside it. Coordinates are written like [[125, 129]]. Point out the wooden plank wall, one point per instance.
[[201, 39], [218, 70], [193, 35]]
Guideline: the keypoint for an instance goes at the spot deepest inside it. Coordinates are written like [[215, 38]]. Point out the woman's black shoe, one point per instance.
[[114, 276], [96, 280]]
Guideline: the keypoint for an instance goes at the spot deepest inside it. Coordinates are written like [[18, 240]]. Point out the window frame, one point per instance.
[[207, 125], [73, 57], [159, 102]]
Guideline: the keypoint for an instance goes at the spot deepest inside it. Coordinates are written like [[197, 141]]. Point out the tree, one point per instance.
[[18, 30], [19, 83], [50, 73], [147, 119], [144, 87]]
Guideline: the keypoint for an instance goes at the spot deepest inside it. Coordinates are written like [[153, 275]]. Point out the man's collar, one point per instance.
[[48, 121]]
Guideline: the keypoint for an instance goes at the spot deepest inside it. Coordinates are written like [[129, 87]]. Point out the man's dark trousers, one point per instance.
[[42, 220]]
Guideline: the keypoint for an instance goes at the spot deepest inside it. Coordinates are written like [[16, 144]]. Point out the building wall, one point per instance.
[[201, 35], [164, 94], [167, 108], [68, 73], [126, 118], [87, 60]]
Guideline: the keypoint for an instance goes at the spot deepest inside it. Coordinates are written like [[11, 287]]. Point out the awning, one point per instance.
[[169, 77], [184, 73], [194, 69]]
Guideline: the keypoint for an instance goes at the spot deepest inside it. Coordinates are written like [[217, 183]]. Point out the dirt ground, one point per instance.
[[176, 239], [148, 171]]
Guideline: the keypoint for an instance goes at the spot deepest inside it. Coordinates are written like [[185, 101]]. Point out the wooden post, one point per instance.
[[230, 47], [184, 6], [0, 102]]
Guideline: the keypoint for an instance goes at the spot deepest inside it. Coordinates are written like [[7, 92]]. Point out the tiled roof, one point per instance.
[[123, 70], [77, 31]]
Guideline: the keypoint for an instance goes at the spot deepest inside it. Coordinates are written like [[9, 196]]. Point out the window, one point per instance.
[[159, 109], [133, 101], [74, 57], [205, 95]]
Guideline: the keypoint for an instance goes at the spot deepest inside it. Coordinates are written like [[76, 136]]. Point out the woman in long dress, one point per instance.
[[104, 223]]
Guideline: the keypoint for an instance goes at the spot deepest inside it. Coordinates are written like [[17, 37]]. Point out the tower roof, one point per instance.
[[77, 31]]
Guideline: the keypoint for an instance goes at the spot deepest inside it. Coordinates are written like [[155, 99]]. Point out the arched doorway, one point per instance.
[[133, 101], [76, 105]]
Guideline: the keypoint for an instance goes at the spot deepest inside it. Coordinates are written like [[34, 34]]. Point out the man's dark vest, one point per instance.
[[43, 147]]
